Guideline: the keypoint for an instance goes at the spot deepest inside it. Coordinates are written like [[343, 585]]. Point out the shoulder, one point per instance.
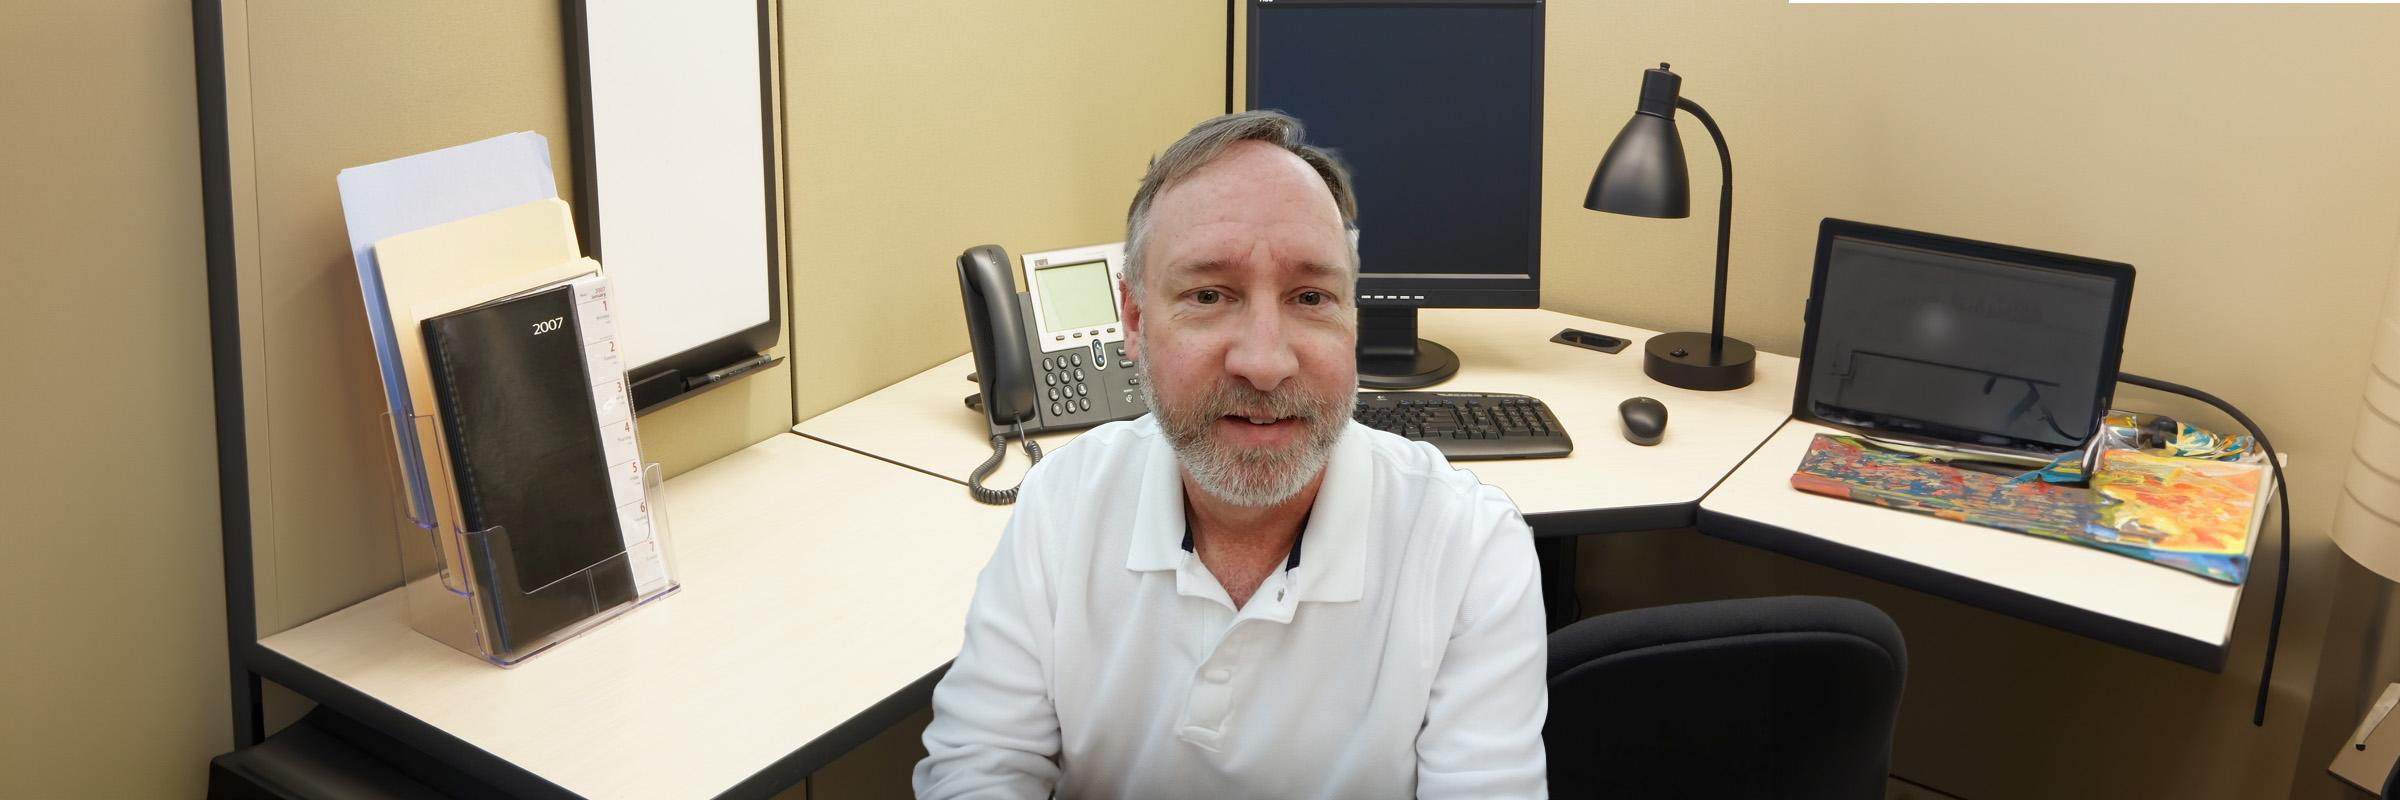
[[1089, 487], [1114, 448]]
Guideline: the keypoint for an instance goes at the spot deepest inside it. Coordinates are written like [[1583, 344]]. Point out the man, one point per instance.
[[1245, 594]]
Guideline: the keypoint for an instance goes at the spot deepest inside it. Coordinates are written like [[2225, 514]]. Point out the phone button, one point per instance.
[[1054, 411], [1046, 363], [1051, 377], [1079, 374], [1087, 403], [1082, 390]]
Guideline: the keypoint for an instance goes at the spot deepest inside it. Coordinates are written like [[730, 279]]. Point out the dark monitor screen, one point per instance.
[[1436, 110], [1961, 341]]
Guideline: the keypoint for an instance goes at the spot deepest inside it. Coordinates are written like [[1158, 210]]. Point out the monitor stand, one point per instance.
[[1390, 356]]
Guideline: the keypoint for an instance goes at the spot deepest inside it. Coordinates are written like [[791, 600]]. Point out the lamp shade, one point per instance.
[[1643, 174], [2366, 520]]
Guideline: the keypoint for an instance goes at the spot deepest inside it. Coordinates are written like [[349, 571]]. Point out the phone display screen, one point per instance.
[[1075, 296]]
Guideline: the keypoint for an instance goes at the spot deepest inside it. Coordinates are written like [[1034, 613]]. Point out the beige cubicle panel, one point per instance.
[[916, 130], [115, 631]]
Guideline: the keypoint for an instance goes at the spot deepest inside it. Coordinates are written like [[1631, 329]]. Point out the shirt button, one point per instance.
[[1219, 675]]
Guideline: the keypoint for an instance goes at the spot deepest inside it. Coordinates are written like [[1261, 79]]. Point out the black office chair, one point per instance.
[[1784, 697]]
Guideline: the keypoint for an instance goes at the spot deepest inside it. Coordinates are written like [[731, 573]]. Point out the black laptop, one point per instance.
[[1974, 349]]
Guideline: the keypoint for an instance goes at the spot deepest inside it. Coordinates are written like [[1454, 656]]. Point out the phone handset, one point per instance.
[[996, 330]]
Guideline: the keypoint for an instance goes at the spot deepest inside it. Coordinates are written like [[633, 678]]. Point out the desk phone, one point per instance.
[[1066, 370]]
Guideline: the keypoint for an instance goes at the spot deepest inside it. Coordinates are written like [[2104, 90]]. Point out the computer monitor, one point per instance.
[[1959, 343], [1436, 109]]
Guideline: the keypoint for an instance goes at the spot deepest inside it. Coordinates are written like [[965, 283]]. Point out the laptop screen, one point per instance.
[[1961, 341]]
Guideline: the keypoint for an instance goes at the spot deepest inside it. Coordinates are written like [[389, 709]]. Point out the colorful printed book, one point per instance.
[[2187, 514]]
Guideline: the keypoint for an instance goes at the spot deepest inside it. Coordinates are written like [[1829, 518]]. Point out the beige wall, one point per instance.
[[2241, 158], [114, 632], [917, 130]]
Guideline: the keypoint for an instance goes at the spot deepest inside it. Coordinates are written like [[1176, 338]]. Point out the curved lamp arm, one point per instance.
[[1716, 319]]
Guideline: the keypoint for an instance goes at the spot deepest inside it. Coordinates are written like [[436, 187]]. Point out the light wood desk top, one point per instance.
[[816, 584], [1607, 484], [2113, 598]]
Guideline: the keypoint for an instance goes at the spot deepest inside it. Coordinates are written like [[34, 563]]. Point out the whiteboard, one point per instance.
[[674, 190]]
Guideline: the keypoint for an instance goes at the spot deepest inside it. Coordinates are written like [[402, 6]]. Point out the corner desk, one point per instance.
[[1607, 485], [1723, 468], [826, 575]]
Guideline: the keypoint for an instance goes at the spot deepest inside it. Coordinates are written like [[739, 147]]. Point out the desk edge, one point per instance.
[[839, 740], [1999, 600]]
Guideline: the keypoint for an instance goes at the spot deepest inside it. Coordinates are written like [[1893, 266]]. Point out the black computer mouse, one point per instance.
[[1645, 420]]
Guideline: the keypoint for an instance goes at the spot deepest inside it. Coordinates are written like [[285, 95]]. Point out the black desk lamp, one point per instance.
[[1643, 174]]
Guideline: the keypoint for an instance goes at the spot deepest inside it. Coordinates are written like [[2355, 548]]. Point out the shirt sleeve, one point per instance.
[[1483, 722], [995, 731]]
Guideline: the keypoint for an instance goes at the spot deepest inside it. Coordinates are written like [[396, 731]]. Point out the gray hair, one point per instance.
[[1202, 145]]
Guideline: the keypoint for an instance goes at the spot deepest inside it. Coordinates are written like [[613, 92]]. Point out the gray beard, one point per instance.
[[1250, 478]]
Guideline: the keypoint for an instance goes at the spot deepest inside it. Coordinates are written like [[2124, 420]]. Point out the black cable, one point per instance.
[[2283, 562], [1000, 497]]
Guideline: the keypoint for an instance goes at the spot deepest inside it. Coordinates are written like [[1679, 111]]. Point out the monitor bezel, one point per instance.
[[2119, 274], [1438, 290]]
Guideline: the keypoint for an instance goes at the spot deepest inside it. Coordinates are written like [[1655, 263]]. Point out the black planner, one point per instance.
[[526, 456]]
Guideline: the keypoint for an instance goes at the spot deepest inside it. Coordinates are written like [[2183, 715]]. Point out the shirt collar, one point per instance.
[[1289, 562], [1336, 532]]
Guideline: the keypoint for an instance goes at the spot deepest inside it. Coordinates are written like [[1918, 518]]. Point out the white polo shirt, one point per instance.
[[1399, 653]]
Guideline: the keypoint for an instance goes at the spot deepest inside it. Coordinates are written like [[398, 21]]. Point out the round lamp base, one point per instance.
[[1683, 360]]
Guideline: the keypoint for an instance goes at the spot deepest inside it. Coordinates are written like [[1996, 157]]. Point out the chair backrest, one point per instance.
[[1759, 697]]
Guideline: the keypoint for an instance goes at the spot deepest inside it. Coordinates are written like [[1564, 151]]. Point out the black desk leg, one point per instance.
[[1557, 556]]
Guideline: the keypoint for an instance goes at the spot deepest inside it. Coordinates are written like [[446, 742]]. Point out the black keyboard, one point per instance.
[[1468, 425]]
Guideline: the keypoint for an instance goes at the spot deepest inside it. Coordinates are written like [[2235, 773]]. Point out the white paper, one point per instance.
[[420, 191]]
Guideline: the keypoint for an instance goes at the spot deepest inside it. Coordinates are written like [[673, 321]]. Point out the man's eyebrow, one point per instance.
[[1219, 266]]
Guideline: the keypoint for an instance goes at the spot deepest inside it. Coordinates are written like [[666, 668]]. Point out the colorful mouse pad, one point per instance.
[[2187, 514]]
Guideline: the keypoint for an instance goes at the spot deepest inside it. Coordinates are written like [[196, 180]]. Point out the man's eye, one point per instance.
[[1311, 298], [1207, 296]]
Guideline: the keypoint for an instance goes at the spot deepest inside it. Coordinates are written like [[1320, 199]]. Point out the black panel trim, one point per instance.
[[225, 367], [1587, 521]]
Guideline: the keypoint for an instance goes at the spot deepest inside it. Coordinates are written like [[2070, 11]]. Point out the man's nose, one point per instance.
[[1261, 354]]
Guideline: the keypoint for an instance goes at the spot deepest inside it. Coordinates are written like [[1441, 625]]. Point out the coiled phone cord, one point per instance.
[[1002, 497], [2283, 562]]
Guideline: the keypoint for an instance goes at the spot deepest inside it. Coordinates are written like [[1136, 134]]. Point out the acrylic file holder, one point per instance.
[[462, 587]]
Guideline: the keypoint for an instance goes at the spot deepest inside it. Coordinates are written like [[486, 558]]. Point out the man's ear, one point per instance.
[[1133, 319]]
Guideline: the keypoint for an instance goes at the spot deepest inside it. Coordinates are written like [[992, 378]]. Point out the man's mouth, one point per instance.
[[1258, 419]]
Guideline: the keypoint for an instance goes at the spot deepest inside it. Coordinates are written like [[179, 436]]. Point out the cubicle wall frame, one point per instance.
[[225, 364]]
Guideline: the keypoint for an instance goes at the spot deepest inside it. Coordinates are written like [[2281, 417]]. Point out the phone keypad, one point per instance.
[[1069, 395]]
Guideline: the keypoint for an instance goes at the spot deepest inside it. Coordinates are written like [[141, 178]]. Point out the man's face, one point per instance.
[[1244, 326]]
